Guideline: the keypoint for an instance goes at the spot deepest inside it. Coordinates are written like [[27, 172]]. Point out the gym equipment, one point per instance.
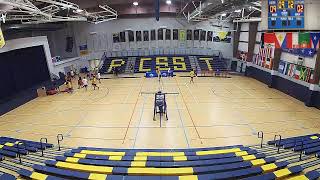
[[160, 104]]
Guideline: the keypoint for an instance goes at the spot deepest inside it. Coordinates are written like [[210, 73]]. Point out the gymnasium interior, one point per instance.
[[159, 89]]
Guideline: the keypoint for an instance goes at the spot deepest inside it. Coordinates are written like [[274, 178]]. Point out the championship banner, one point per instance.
[[2, 41], [182, 35], [222, 36]]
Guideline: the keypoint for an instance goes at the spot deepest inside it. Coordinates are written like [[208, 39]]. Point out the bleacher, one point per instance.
[[105, 68], [232, 162], [309, 144], [216, 63], [41, 160]]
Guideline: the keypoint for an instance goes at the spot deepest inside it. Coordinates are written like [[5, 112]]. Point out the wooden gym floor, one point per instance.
[[211, 112]]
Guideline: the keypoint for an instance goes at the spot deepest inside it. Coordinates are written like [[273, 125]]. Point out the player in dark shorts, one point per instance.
[[94, 83], [192, 76]]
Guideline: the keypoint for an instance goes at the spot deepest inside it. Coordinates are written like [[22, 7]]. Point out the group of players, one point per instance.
[[94, 77]]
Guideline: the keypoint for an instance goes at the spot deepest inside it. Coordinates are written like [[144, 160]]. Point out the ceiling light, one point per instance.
[[79, 10], [168, 2], [135, 3]]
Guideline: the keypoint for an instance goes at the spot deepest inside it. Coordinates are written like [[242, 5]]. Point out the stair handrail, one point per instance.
[[275, 142], [59, 139], [41, 144], [261, 136]]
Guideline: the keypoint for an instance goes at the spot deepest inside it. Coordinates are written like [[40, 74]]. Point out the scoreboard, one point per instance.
[[286, 14]]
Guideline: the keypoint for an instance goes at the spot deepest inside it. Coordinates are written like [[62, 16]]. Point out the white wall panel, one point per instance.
[[245, 27], [243, 47], [244, 36]]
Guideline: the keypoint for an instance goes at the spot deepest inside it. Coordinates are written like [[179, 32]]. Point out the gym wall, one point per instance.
[[99, 37]]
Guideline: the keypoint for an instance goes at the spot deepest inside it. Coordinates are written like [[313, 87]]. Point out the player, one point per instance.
[[99, 77], [85, 83], [69, 87], [72, 74], [94, 83], [131, 69], [80, 83], [169, 72], [159, 73], [192, 76]]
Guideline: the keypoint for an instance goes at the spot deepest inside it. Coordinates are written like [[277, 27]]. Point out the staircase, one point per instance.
[[131, 62], [194, 64], [105, 64]]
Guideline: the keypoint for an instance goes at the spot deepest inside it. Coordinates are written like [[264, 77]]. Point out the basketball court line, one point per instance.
[[180, 117], [97, 99], [121, 127], [182, 123], [134, 108], [140, 119], [184, 101], [194, 98], [253, 130], [126, 99], [78, 123]]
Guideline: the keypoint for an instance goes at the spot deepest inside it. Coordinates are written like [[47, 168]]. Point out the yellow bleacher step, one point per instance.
[[85, 168], [105, 153], [131, 171], [269, 167], [221, 151], [237, 151], [300, 177], [161, 154], [161, 171], [38, 176]]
